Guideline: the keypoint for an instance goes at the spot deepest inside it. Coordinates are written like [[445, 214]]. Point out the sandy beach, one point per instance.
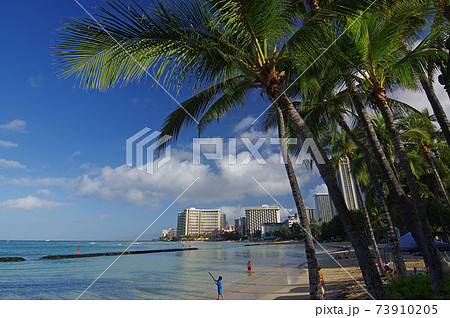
[[343, 279]]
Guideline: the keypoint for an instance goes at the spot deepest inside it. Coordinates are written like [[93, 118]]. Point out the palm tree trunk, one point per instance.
[[444, 78], [394, 169], [373, 241], [370, 273], [315, 291], [443, 223], [402, 201], [437, 108], [387, 220], [434, 262], [426, 153]]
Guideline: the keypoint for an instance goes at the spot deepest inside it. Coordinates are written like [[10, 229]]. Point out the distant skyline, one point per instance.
[[62, 149]]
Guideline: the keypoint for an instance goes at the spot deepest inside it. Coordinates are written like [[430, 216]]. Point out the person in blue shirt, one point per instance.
[[219, 288]]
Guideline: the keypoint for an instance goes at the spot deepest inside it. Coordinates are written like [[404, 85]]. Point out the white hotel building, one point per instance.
[[255, 217], [347, 184], [324, 205], [194, 221]]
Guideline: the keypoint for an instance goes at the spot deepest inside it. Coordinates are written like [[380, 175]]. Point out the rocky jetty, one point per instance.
[[117, 253], [12, 259]]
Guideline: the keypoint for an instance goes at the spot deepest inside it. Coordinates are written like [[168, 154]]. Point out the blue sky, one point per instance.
[[62, 149]]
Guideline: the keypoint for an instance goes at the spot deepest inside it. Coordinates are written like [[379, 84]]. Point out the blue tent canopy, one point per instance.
[[407, 244]]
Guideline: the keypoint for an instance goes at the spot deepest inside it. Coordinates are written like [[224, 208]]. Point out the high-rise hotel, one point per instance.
[[324, 205], [194, 221], [347, 184], [255, 217]]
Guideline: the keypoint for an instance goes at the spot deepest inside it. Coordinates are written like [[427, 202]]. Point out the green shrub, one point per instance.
[[415, 287]]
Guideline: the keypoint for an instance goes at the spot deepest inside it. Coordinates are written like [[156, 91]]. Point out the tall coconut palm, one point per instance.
[[435, 103], [443, 12], [325, 108], [343, 148], [373, 55], [387, 220], [272, 118], [315, 290], [419, 130], [322, 114], [425, 74], [231, 47]]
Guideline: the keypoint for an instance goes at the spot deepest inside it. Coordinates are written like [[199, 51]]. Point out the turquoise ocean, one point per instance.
[[174, 275]]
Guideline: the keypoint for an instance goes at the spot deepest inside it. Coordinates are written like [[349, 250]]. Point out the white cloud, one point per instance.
[[75, 154], [321, 188], [284, 213], [8, 144], [39, 182], [218, 181], [309, 197], [29, 203], [232, 212], [419, 99], [244, 124], [35, 81], [11, 164], [44, 193], [17, 125]]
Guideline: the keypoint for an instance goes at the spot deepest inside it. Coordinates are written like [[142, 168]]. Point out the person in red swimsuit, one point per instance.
[[249, 267]]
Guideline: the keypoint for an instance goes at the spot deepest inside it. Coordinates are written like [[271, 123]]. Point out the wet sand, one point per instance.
[[343, 279]]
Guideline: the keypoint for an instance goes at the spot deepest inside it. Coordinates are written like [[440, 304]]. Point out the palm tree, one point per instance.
[[425, 74], [438, 109], [374, 56], [274, 116], [222, 45], [324, 109], [420, 132], [343, 148], [387, 220], [442, 8], [315, 290]]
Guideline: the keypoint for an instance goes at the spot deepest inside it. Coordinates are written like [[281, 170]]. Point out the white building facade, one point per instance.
[[324, 207], [347, 184], [194, 221], [255, 217]]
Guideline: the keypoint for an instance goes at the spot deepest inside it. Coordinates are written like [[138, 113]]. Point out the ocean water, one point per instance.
[[174, 275]]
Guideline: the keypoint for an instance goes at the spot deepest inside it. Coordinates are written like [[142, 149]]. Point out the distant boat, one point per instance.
[[47, 240], [91, 242]]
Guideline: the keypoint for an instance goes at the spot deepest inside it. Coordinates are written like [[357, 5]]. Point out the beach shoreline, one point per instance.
[[343, 278], [287, 283]]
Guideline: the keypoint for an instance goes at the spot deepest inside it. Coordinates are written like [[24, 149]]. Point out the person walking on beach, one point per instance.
[[249, 267], [322, 282], [219, 288]]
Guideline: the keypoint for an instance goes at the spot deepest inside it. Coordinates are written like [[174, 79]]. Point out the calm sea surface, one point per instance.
[[174, 275]]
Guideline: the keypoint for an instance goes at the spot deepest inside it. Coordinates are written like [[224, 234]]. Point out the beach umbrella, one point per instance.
[[408, 244]]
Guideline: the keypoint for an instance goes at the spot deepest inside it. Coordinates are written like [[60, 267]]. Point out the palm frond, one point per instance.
[[191, 110]]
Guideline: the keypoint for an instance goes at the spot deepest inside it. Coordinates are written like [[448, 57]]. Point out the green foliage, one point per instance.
[[415, 287], [232, 236], [256, 234], [295, 232], [316, 229], [334, 230]]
